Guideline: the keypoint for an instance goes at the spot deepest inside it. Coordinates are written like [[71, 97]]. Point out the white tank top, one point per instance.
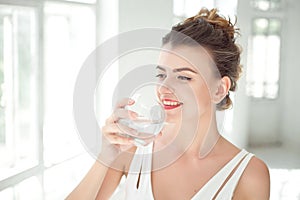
[[216, 188]]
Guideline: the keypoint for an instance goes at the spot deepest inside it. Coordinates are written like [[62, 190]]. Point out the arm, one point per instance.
[[114, 174], [113, 146], [255, 182], [101, 181], [89, 186], [110, 183]]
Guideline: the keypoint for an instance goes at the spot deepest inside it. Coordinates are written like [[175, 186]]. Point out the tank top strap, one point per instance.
[[231, 184], [140, 167], [138, 177], [209, 190]]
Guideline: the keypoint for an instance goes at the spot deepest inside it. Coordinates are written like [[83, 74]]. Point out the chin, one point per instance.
[[174, 116]]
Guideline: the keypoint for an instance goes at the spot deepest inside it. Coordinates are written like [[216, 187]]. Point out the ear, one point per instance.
[[222, 90]]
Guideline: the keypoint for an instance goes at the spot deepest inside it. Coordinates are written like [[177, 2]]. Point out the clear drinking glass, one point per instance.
[[151, 116]]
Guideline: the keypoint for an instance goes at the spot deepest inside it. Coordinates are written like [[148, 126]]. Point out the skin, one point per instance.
[[199, 84]]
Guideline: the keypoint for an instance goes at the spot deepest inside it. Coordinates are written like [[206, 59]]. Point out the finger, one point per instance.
[[125, 147], [121, 114], [124, 113], [124, 102], [119, 140], [118, 128]]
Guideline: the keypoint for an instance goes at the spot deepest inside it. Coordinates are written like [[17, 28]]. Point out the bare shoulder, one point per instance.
[[255, 181]]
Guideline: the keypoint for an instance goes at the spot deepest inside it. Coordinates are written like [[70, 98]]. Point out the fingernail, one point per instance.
[[131, 101]]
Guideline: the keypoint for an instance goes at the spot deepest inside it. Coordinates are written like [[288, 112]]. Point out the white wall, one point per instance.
[[239, 133], [135, 14], [290, 72], [264, 122]]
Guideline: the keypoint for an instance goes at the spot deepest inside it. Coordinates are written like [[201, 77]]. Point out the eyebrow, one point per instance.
[[177, 69]]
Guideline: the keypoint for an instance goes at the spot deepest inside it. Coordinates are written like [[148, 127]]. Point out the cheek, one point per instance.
[[197, 101], [203, 96]]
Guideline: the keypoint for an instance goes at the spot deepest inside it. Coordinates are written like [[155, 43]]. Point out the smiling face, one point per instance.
[[187, 80]]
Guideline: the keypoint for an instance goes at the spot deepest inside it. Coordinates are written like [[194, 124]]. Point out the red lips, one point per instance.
[[169, 104]]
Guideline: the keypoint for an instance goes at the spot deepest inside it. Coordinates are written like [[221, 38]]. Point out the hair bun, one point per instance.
[[216, 20]]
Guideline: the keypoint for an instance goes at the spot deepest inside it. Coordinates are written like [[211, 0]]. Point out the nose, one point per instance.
[[164, 88]]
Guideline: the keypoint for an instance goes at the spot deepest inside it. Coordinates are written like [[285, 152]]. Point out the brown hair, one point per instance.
[[217, 35]]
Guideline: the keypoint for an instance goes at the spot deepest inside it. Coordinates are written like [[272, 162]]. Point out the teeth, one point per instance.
[[170, 103]]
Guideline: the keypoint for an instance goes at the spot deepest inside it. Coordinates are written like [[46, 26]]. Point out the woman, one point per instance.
[[203, 164]]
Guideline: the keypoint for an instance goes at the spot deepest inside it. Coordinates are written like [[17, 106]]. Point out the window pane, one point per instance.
[[255, 77], [69, 39], [273, 53], [275, 4], [266, 5], [274, 27], [264, 58], [260, 26], [18, 93], [261, 4]]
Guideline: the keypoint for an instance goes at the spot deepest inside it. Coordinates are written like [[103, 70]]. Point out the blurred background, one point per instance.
[[43, 44]]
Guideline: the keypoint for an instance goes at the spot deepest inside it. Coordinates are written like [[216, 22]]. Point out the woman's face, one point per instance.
[[187, 79]]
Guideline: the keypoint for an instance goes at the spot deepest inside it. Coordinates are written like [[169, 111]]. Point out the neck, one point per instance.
[[196, 138], [206, 138]]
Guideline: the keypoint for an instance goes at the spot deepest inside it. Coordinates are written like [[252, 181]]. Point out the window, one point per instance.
[[266, 5], [263, 63], [18, 90], [42, 47]]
